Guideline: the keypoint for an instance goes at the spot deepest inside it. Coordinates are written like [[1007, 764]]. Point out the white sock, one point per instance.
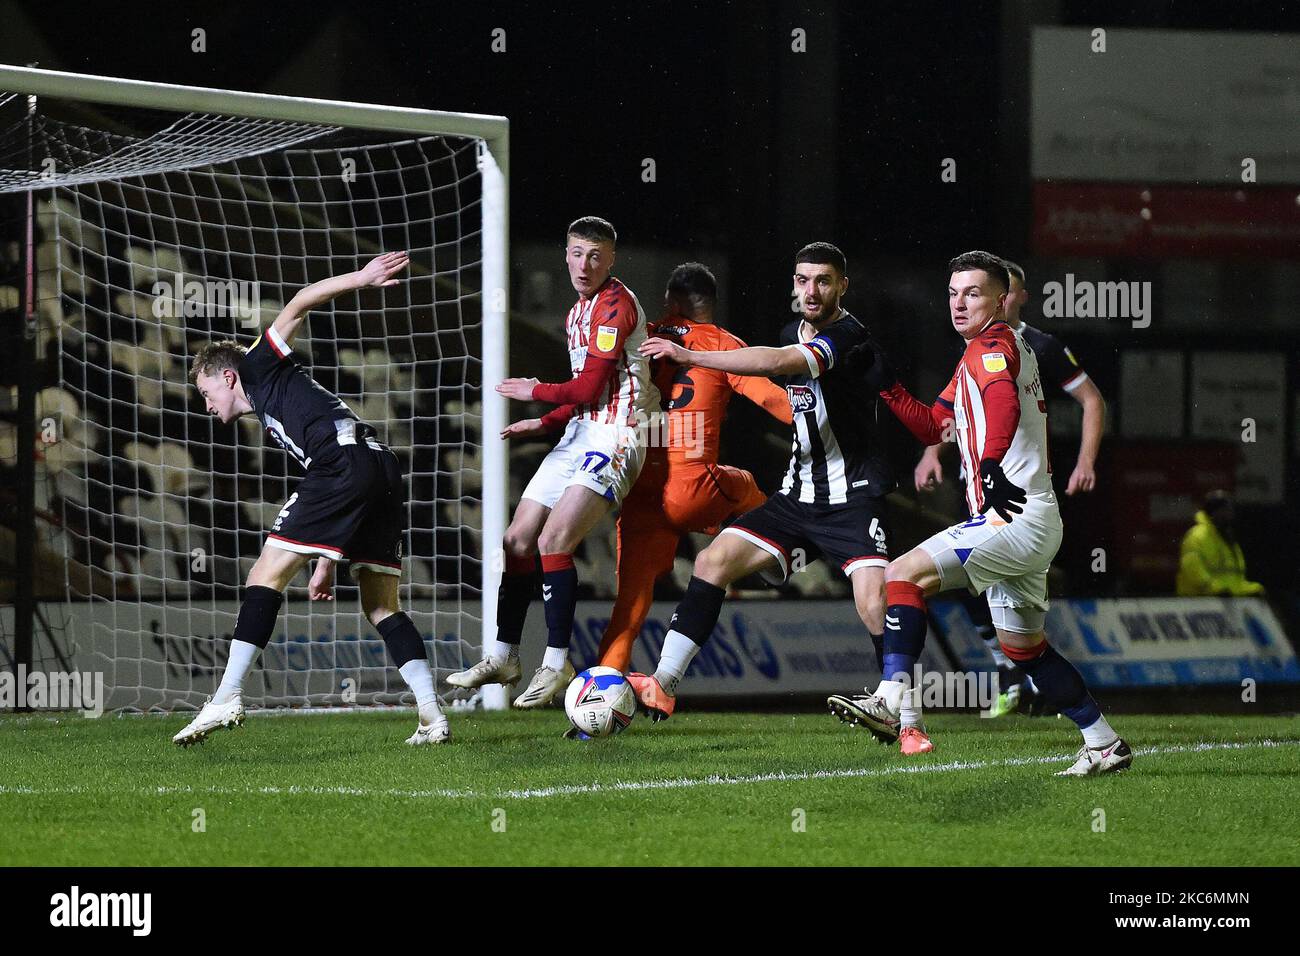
[[892, 691], [555, 658], [239, 663], [909, 712], [679, 650], [503, 651], [1099, 734], [419, 678]]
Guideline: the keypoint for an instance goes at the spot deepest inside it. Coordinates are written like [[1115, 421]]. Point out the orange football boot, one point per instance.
[[914, 740], [657, 702]]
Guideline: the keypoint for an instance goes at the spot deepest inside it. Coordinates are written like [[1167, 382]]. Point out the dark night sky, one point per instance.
[[592, 91]]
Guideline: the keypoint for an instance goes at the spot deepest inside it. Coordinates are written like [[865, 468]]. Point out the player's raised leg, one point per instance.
[[500, 663], [728, 558], [379, 601], [577, 512], [868, 585], [258, 610], [894, 707], [655, 546]]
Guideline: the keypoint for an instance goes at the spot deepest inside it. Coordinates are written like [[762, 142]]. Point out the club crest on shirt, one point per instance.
[[606, 336], [802, 398]]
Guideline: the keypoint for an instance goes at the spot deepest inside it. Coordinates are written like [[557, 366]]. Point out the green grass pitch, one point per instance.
[[700, 789]]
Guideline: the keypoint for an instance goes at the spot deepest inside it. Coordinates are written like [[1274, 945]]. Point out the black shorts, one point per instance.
[[352, 508], [853, 535]]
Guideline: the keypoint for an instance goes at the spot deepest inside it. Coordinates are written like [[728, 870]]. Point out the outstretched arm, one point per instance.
[[925, 422], [752, 360], [767, 396], [377, 272]]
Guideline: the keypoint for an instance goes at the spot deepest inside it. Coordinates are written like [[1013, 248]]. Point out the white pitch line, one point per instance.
[[624, 786], [853, 773]]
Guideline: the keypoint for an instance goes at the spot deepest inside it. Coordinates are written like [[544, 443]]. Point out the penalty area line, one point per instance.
[[625, 786]]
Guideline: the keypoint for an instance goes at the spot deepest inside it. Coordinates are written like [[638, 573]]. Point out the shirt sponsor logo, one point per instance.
[[802, 398], [994, 362], [606, 337]]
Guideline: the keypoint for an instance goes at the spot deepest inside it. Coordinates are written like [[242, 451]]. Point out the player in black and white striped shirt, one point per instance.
[[831, 504], [349, 506]]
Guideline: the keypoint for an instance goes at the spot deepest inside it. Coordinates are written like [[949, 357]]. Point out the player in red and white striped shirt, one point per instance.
[[995, 403], [604, 410]]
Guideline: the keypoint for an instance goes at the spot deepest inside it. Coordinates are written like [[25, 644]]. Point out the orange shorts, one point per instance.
[[655, 515], [689, 497]]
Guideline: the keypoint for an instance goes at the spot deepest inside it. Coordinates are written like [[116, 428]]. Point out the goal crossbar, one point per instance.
[[200, 99]]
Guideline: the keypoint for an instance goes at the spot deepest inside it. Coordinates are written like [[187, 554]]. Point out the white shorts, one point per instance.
[[1007, 560], [604, 458]]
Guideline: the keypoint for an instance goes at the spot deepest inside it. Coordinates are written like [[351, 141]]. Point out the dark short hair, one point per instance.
[[1013, 268], [693, 279], [212, 357], [823, 253], [987, 261], [593, 229]]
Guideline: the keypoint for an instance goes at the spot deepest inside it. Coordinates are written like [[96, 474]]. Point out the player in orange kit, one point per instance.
[[682, 487]]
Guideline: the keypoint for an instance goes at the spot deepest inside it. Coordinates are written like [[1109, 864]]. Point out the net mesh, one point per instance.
[[148, 244]]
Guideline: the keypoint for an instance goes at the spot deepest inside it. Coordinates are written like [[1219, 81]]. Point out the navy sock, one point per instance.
[[257, 614], [905, 627], [697, 614], [402, 639], [1062, 685], [516, 593], [977, 608], [560, 597], [878, 645]]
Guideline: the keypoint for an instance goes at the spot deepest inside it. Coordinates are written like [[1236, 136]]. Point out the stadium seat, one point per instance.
[[57, 216], [164, 536], [62, 406], [150, 265]]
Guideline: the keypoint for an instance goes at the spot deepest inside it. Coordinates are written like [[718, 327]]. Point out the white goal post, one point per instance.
[[492, 136]]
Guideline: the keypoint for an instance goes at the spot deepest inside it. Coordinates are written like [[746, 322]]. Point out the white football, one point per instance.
[[600, 702]]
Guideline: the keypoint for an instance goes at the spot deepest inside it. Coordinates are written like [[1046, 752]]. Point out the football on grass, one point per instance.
[[600, 702]]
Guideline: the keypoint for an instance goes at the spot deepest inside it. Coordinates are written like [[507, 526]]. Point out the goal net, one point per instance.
[[149, 232]]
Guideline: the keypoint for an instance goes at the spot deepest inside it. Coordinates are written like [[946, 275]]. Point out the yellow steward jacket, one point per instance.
[[1207, 564]]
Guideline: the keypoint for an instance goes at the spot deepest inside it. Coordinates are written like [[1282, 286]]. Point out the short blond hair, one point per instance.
[[215, 356]]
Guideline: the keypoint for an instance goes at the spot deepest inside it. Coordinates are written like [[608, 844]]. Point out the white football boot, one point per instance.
[[870, 710], [434, 731], [545, 685], [490, 670], [211, 717], [1091, 763]]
